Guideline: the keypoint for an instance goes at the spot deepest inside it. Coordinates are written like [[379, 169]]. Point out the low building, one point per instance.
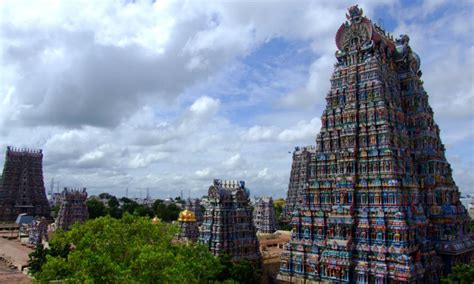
[[271, 247]]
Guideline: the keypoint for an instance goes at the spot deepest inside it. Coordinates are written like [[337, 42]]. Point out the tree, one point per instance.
[[132, 250], [279, 204], [105, 195], [55, 210], [461, 274], [58, 248], [166, 212], [143, 210], [37, 258], [126, 250], [113, 202], [128, 205], [131, 206], [113, 208], [95, 208], [242, 271]]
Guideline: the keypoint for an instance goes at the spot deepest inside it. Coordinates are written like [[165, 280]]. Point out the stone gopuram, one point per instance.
[[188, 227], [264, 215], [73, 208], [303, 158], [228, 226], [21, 185], [382, 206]]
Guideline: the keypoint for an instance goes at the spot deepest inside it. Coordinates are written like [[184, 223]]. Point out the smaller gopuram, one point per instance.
[[188, 228], [73, 208], [264, 215], [194, 205], [228, 226], [301, 172], [22, 186]]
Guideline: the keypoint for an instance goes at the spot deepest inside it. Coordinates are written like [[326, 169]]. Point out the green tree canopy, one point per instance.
[[166, 212], [113, 202], [95, 208], [279, 205], [126, 250], [461, 274]]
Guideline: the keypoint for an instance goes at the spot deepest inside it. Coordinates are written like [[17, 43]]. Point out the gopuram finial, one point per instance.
[[355, 14]]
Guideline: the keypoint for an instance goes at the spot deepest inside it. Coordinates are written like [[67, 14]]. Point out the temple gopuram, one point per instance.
[[21, 185], [300, 175], [264, 215], [73, 208], [188, 227], [382, 206], [228, 226]]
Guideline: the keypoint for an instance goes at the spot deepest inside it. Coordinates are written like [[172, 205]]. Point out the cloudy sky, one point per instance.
[[171, 94]]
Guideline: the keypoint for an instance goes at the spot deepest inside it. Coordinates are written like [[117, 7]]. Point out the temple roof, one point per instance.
[[187, 216]]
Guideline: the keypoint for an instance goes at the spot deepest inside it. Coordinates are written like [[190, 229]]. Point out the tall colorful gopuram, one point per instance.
[[228, 226], [383, 206], [22, 186], [264, 215], [73, 208], [303, 160]]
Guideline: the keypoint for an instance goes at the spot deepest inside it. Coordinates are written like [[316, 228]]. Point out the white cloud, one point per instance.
[[316, 88], [144, 160], [205, 106], [303, 130], [260, 133], [263, 174], [233, 161], [204, 173], [91, 158]]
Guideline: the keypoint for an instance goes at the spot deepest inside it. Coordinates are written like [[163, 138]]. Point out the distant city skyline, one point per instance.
[[170, 95]]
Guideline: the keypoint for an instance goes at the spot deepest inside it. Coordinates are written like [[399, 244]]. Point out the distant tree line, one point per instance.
[[117, 207]]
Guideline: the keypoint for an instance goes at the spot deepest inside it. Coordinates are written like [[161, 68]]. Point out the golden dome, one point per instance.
[[155, 220], [187, 216]]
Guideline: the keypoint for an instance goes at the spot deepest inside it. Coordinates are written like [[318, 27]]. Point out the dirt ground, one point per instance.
[[13, 253], [9, 275]]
